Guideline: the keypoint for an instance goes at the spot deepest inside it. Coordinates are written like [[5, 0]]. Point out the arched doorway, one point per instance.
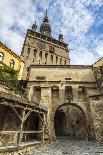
[[70, 121]]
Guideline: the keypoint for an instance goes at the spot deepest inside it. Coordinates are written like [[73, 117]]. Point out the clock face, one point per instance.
[[41, 45]]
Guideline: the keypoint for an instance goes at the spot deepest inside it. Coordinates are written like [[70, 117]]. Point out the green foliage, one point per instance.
[[9, 77], [8, 74]]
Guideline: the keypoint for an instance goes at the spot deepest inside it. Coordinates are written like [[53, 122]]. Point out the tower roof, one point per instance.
[[34, 26], [45, 27], [61, 37]]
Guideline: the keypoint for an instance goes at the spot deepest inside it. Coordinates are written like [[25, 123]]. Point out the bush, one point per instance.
[[9, 77]]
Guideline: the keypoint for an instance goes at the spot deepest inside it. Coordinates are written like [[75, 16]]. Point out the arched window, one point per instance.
[[1, 56], [40, 55], [35, 52], [46, 57], [12, 63], [65, 62], [51, 59], [56, 60], [60, 61]]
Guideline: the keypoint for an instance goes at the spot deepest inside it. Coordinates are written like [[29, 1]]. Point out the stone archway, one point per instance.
[[70, 120]]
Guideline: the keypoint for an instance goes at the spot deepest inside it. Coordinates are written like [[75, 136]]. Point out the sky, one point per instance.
[[80, 21]]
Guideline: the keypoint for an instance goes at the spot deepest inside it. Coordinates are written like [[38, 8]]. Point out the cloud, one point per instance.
[[80, 21], [99, 49]]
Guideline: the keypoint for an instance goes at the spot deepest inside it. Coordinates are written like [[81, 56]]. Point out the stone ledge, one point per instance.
[[23, 148]]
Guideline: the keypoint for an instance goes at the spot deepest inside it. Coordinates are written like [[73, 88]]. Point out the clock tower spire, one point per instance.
[[45, 27]]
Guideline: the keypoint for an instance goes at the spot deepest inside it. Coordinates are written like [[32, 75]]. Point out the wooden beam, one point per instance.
[[26, 116], [16, 112], [8, 132], [12, 132], [39, 131]]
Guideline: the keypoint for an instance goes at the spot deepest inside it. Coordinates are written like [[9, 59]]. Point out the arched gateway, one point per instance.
[[70, 120]]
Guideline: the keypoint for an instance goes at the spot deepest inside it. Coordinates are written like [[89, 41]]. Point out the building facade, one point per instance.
[[9, 58], [71, 93]]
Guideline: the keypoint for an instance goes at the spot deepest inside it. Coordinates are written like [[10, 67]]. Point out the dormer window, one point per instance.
[[1, 56], [12, 63]]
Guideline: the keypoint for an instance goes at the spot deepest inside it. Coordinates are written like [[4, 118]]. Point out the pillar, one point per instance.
[[61, 94], [75, 93], [30, 92]]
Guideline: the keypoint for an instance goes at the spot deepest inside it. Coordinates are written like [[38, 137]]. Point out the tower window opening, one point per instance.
[[60, 61], [40, 55], [28, 52], [56, 59], [51, 59], [35, 52], [65, 62], [46, 56]]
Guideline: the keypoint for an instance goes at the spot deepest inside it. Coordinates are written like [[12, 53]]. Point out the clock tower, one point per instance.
[[40, 48]]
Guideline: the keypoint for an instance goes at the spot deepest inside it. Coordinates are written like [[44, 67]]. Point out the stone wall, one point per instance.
[[66, 73], [96, 109], [79, 80]]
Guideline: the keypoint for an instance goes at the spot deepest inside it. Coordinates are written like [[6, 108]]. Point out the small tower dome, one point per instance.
[[61, 37]]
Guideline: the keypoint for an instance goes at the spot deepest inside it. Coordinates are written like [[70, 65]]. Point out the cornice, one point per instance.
[[62, 66], [59, 81]]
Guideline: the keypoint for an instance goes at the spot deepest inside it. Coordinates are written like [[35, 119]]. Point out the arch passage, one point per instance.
[[70, 121], [60, 123]]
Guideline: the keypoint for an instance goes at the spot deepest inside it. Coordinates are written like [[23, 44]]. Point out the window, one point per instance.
[[28, 52], [65, 62], [60, 61], [40, 55], [1, 56], [12, 63], [56, 59], [35, 52], [51, 59], [46, 55]]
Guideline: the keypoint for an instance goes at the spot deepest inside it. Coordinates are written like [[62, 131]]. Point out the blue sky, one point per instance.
[[81, 23]]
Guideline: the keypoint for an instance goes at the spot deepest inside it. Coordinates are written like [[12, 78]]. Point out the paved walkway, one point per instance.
[[65, 146]]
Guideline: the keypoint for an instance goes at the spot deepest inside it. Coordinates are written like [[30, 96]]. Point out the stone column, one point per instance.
[[49, 59], [54, 59], [50, 116], [37, 57], [45, 96], [75, 93], [61, 94], [30, 92]]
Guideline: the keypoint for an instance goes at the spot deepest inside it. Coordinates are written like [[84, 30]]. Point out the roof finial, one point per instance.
[[34, 26], [60, 36], [46, 12], [45, 27]]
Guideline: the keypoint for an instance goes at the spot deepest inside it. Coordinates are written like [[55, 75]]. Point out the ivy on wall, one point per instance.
[[9, 77]]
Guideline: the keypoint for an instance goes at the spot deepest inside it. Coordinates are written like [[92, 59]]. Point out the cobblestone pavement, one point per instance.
[[65, 146]]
